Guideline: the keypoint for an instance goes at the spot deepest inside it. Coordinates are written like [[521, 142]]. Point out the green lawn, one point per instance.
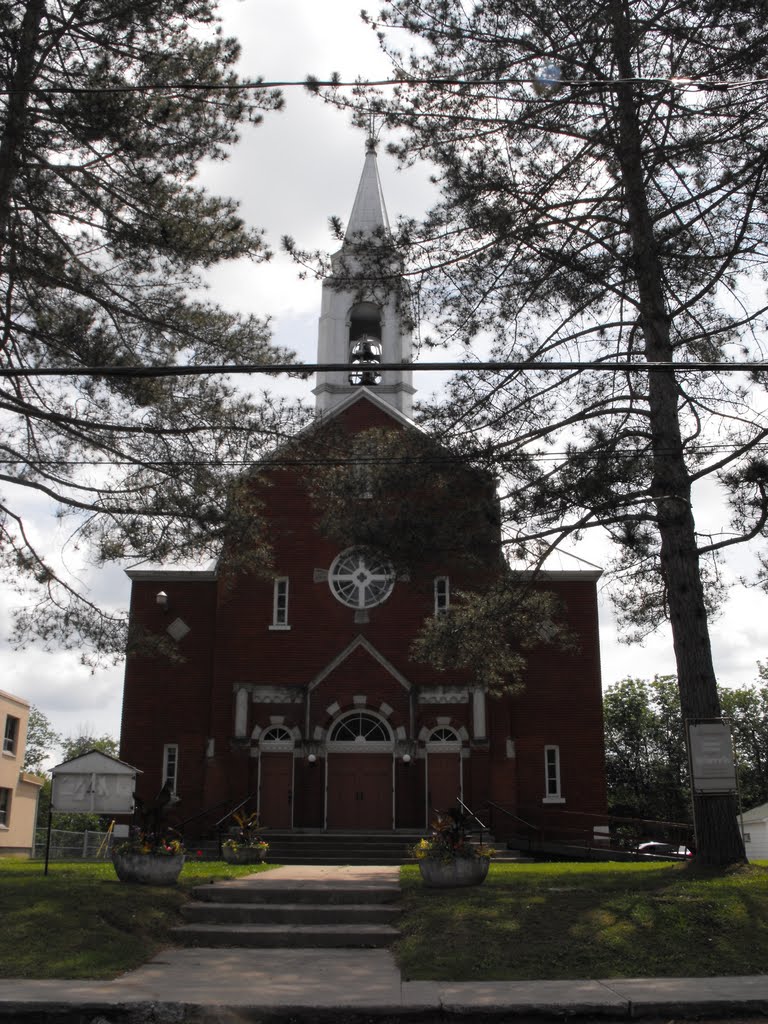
[[81, 922], [527, 921], [587, 921]]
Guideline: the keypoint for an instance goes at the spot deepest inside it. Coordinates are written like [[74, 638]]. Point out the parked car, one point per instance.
[[656, 849]]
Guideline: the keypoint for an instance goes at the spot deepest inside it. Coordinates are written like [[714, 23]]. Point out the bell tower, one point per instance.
[[363, 319]]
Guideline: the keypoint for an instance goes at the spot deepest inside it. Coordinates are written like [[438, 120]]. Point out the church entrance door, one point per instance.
[[360, 791], [444, 771], [276, 790], [359, 767]]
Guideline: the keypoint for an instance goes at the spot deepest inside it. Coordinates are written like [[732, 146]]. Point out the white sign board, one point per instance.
[[712, 765], [93, 783], [91, 792]]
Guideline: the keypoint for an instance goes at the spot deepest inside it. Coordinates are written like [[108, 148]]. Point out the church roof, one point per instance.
[[369, 214]]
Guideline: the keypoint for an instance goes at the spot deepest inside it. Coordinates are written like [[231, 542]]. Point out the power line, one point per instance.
[[304, 369], [313, 84], [345, 460]]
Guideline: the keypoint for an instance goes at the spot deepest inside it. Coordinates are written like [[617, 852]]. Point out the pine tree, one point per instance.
[[107, 108], [602, 168]]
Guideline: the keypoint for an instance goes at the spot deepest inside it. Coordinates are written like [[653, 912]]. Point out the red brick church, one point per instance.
[[298, 693]]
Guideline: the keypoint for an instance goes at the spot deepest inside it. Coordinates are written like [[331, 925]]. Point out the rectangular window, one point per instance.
[[552, 774], [11, 735], [5, 807], [442, 594], [171, 765], [280, 604]]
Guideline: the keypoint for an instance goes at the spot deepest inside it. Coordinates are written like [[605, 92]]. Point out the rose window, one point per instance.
[[360, 578]]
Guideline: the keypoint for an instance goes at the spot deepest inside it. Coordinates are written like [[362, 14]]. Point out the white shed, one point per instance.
[[755, 829]]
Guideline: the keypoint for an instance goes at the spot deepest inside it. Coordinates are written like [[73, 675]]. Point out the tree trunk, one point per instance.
[[719, 840], [12, 131]]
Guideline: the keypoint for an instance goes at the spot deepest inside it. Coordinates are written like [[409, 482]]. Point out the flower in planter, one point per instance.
[[450, 839], [156, 844], [152, 836], [247, 834]]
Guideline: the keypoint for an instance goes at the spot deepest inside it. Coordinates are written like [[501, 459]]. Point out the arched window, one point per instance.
[[276, 738], [361, 732], [364, 320], [443, 738], [360, 727]]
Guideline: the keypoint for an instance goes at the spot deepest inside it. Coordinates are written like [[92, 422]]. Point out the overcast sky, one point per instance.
[[290, 174]]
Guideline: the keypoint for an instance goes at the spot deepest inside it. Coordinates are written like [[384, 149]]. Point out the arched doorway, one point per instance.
[[444, 775], [360, 772], [276, 777]]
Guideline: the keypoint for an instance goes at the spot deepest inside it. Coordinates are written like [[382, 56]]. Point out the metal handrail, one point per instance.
[[498, 807], [472, 814], [233, 810], [215, 807], [582, 834]]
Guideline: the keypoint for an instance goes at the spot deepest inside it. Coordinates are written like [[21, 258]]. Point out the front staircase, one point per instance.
[[329, 847], [324, 913], [386, 848]]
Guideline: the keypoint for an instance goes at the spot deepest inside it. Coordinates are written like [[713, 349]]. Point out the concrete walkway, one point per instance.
[[218, 986]]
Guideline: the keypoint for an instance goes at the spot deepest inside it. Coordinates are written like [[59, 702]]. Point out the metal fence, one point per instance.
[[73, 845]]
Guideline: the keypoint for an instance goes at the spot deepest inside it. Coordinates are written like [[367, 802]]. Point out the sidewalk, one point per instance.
[[223, 986]]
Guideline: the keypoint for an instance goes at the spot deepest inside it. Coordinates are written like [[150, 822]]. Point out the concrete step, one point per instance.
[[265, 936], [321, 857], [290, 913], [275, 892], [340, 848]]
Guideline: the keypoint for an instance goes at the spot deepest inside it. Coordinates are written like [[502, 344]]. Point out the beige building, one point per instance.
[[19, 790]]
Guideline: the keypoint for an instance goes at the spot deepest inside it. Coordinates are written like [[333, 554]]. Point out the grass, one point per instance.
[[79, 921], [528, 921], [558, 920]]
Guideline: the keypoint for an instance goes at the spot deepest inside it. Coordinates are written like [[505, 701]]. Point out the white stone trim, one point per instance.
[[268, 694], [479, 723], [242, 700], [444, 695]]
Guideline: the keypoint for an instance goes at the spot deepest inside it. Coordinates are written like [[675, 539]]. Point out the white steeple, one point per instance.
[[369, 214], [362, 320]]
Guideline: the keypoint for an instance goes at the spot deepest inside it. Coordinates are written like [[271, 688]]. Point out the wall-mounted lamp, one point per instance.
[[161, 600], [407, 750], [311, 749]]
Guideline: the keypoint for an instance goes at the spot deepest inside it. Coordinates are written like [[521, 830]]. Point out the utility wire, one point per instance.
[[304, 369], [360, 460], [313, 84]]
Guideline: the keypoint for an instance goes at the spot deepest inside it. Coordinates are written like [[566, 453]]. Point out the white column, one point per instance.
[[241, 713], [479, 727]]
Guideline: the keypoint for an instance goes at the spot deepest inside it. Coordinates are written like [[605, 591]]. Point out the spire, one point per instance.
[[361, 321], [369, 214]]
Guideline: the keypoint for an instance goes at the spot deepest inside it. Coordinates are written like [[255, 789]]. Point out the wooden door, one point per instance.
[[360, 791], [443, 781], [276, 790]]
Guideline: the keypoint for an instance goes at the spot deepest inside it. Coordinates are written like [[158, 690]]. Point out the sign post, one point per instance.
[[711, 761]]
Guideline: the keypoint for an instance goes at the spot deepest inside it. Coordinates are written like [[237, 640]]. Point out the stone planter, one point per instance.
[[450, 874], [243, 855], [148, 868]]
